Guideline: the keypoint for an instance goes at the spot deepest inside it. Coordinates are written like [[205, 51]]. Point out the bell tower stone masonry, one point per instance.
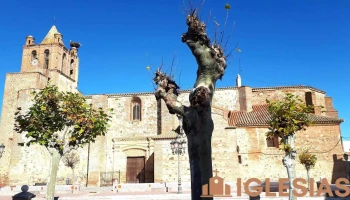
[[48, 61]]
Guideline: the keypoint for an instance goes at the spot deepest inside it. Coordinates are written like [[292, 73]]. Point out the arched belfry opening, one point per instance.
[[71, 71], [47, 58]]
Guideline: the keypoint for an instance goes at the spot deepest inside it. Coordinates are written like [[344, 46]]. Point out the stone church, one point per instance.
[[136, 148]]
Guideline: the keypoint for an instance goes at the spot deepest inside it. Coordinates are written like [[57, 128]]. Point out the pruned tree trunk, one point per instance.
[[289, 161], [55, 160], [197, 120], [73, 176], [308, 178], [199, 151]]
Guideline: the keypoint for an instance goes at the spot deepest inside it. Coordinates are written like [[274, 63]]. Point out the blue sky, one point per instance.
[[290, 42]]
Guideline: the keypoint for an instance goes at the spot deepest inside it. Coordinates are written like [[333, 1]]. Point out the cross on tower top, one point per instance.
[[216, 172]]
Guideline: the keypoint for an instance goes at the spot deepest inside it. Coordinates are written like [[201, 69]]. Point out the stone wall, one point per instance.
[[166, 164], [24, 165], [127, 137], [230, 164], [323, 141], [254, 158], [14, 83], [260, 96], [257, 160], [318, 97], [123, 126], [223, 140]]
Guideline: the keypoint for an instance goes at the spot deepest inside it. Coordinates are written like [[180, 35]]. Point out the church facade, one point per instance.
[[136, 148]]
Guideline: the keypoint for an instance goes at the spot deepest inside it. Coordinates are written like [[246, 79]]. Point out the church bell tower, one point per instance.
[[51, 58], [47, 61]]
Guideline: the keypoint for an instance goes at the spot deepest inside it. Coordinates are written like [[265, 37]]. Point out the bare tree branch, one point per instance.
[[71, 160], [229, 35], [211, 60], [168, 91]]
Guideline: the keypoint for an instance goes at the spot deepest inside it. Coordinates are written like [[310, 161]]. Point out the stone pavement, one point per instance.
[[109, 195], [153, 191]]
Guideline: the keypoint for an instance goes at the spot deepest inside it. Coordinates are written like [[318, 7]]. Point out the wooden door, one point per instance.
[[135, 170]]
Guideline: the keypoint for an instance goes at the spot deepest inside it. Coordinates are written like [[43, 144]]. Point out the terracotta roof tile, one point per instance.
[[260, 117]]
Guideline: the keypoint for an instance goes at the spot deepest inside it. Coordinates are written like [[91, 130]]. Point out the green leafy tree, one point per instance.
[[308, 160], [288, 117], [61, 122]]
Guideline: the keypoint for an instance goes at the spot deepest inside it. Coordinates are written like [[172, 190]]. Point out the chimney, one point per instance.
[[238, 81], [330, 111], [245, 98]]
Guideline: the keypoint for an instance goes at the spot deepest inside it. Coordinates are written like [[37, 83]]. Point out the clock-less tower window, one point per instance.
[[71, 68], [47, 58], [63, 69]]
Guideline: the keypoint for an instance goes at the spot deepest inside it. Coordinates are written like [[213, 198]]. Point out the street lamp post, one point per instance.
[[178, 147], [2, 148]]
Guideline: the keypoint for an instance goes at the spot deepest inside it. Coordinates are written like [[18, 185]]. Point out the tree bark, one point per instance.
[[289, 161], [199, 151], [308, 178], [73, 176], [55, 160], [197, 120]]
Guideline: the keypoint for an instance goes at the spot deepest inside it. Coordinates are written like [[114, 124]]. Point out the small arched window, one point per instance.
[[136, 109], [34, 55], [47, 58], [64, 63]]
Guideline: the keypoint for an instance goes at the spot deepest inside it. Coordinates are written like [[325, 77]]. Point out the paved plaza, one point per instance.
[[154, 196], [149, 195], [153, 191]]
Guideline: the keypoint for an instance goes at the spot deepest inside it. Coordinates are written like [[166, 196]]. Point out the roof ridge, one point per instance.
[[260, 117], [218, 89]]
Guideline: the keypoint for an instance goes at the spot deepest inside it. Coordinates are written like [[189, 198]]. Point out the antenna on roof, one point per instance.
[[239, 65], [238, 78], [54, 20]]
